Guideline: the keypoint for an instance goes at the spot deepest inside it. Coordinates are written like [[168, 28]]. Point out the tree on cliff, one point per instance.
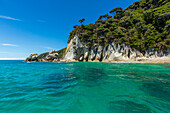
[[117, 12], [143, 25], [106, 16], [81, 20], [75, 26]]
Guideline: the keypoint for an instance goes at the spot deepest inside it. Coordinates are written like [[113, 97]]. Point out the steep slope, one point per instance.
[[142, 29]]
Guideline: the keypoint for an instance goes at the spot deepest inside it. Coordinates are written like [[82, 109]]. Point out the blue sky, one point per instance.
[[37, 26]]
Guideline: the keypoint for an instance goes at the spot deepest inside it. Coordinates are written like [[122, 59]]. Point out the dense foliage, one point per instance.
[[145, 24]]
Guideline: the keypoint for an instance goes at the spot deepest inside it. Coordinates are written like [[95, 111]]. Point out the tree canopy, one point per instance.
[[142, 25], [81, 20]]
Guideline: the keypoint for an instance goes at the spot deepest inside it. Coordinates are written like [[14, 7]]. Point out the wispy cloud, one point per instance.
[[42, 21], [48, 47], [9, 45], [4, 52], [12, 58], [9, 18]]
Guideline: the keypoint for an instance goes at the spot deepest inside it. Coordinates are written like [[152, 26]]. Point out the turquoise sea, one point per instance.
[[84, 87]]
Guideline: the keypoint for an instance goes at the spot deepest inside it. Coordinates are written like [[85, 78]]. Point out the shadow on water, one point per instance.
[[88, 75], [93, 77], [57, 84], [127, 106], [157, 89], [93, 74]]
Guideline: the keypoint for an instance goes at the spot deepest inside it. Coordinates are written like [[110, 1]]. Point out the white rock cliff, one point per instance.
[[77, 50]]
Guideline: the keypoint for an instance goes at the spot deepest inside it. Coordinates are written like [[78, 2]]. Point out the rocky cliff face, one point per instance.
[[33, 57], [78, 50]]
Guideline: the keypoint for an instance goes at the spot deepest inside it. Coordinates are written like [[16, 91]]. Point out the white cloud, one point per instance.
[[9, 45], [48, 47], [9, 18]]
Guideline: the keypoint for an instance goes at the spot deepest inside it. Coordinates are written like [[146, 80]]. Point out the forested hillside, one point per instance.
[[140, 31], [145, 24]]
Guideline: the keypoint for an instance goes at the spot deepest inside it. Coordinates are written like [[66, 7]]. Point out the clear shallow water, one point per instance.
[[84, 87]]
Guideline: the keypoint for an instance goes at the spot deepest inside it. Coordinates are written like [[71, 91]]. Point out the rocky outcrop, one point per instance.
[[51, 56], [33, 57], [78, 50], [74, 50]]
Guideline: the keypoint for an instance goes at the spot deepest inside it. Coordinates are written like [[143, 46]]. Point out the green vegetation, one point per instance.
[[81, 20], [43, 55], [61, 53], [145, 24]]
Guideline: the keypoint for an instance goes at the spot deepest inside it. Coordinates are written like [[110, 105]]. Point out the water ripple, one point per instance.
[[84, 87]]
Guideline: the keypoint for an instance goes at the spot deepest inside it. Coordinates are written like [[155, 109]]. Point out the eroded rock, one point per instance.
[[32, 57]]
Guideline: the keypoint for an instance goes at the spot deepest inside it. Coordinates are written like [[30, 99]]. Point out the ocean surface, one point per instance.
[[84, 87]]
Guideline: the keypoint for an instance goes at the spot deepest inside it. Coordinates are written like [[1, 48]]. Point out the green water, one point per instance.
[[84, 87]]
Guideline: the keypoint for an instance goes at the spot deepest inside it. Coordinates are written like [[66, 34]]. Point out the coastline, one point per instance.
[[139, 60], [146, 60]]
